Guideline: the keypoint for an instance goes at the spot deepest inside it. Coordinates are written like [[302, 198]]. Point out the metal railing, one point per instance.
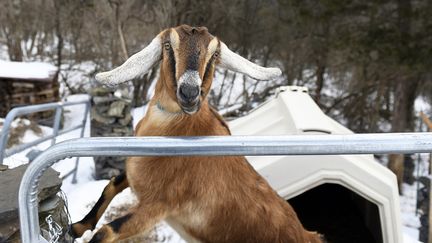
[[214, 146], [25, 110]]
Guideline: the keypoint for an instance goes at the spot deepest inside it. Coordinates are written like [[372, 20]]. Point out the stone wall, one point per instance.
[[50, 204], [110, 117]]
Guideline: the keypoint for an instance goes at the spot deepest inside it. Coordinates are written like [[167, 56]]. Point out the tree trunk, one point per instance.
[[403, 120], [405, 89], [59, 35], [319, 83]]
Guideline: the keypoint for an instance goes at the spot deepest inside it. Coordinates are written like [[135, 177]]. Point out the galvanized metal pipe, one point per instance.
[[83, 123], [56, 127], [217, 146], [22, 147]]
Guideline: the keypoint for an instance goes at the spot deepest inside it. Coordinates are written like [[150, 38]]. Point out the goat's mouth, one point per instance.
[[190, 108], [188, 96]]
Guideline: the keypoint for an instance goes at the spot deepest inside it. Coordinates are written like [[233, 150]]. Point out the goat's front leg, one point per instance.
[[140, 220], [115, 186]]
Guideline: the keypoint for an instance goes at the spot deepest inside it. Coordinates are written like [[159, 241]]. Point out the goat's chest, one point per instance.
[[169, 179]]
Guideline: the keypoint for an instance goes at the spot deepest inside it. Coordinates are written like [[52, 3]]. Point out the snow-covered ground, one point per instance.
[[410, 220], [84, 194]]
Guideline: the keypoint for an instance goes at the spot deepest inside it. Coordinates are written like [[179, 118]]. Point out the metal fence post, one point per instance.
[[75, 170], [5, 132], [56, 127]]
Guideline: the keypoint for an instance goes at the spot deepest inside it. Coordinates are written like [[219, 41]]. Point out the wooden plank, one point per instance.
[[23, 85]]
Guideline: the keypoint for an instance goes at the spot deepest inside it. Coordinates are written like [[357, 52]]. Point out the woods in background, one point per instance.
[[364, 62]]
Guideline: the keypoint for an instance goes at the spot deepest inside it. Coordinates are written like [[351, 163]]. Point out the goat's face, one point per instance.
[[189, 55]]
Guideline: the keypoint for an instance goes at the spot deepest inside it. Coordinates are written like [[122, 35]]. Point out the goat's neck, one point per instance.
[[165, 118]]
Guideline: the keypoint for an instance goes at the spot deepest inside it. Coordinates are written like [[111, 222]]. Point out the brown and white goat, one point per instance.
[[204, 198]]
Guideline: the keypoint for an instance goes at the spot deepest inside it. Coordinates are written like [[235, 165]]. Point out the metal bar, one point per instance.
[[75, 170], [221, 145], [18, 111], [25, 146], [56, 124]]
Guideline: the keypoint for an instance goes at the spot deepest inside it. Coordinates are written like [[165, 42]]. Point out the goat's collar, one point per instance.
[[161, 108]]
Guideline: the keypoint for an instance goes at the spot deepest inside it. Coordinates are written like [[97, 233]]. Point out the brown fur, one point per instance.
[[115, 186], [206, 199]]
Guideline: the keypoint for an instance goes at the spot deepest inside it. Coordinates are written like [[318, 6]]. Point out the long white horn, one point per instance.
[[237, 63], [137, 65]]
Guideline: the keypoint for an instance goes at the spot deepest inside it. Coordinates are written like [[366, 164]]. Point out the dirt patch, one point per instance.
[[17, 131]]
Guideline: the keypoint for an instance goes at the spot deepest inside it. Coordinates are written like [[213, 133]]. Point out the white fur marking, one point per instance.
[[211, 49], [190, 77], [175, 43], [181, 231]]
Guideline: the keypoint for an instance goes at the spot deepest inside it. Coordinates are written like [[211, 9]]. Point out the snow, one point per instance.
[[3, 53], [410, 221], [421, 104], [138, 113], [26, 70]]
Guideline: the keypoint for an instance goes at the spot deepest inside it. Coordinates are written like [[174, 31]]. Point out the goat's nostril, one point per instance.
[[189, 92]]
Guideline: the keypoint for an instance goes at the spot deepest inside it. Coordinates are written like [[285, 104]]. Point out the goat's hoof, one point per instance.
[[72, 232], [76, 230], [104, 235]]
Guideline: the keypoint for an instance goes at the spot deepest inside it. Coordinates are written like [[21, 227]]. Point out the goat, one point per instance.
[[204, 198]]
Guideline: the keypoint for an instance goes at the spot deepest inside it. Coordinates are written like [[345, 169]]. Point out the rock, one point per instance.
[[126, 120], [33, 154], [100, 91], [103, 109], [8, 229], [10, 180], [110, 118], [99, 118], [97, 100], [54, 207], [3, 167], [124, 131], [116, 108]]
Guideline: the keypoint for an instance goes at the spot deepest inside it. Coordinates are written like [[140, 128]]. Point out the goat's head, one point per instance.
[[189, 56]]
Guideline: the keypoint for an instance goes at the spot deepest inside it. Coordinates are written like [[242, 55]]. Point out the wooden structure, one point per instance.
[[24, 83]]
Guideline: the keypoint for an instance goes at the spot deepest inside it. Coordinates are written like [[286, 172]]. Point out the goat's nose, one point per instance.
[[189, 92]]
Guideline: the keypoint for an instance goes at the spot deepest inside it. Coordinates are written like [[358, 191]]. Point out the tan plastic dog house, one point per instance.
[[348, 198]]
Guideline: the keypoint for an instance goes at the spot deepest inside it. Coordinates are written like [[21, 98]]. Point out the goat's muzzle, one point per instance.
[[188, 92]]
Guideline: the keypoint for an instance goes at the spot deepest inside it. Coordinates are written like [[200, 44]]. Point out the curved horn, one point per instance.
[[237, 63], [137, 65]]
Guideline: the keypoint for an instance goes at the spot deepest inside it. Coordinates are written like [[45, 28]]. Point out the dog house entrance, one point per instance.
[[339, 214]]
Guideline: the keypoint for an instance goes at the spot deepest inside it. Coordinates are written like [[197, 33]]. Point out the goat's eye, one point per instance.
[[167, 46], [216, 54]]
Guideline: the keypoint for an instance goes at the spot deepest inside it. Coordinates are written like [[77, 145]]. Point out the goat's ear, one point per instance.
[[237, 63], [137, 65]]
